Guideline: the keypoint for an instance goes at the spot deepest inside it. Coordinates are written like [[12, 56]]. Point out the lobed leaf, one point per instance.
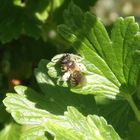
[[114, 57], [73, 125], [94, 81], [58, 98]]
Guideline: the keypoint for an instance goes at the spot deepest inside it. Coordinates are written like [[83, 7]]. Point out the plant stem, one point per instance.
[[133, 106]]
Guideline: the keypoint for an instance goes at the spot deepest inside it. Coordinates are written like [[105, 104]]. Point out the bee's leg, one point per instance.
[[73, 82], [66, 76], [63, 70]]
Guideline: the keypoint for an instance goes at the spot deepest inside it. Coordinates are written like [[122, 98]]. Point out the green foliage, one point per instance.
[[26, 18], [59, 98], [134, 131], [10, 132], [112, 72], [29, 17], [115, 58], [73, 125], [101, 85]]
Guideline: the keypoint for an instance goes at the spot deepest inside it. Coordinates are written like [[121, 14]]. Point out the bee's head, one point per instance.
[[66, 62], [65, 59]]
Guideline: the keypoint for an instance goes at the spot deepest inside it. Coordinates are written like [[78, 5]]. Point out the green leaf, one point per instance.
[[118, 113], [35, 133], [115, 60], [20, 106], [45, 83], [134, 131], [58, 98], [124, 38], [11, 131], [73, 125], [53, 102], [26, 18], [80, 127], [100, 86]]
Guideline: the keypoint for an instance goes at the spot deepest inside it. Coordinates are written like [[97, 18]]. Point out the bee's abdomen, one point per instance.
[[76, 78]]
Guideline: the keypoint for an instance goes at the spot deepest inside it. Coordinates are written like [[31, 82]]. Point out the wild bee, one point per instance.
[[71, 70]]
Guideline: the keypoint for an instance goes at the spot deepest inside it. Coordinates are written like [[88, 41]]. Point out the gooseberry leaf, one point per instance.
[[116, 58], [34, 133], [93, 83], [90, 127], [117, 112], [71, 125], [11, 131], [58, 97], [26, 18], [134, 130]]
